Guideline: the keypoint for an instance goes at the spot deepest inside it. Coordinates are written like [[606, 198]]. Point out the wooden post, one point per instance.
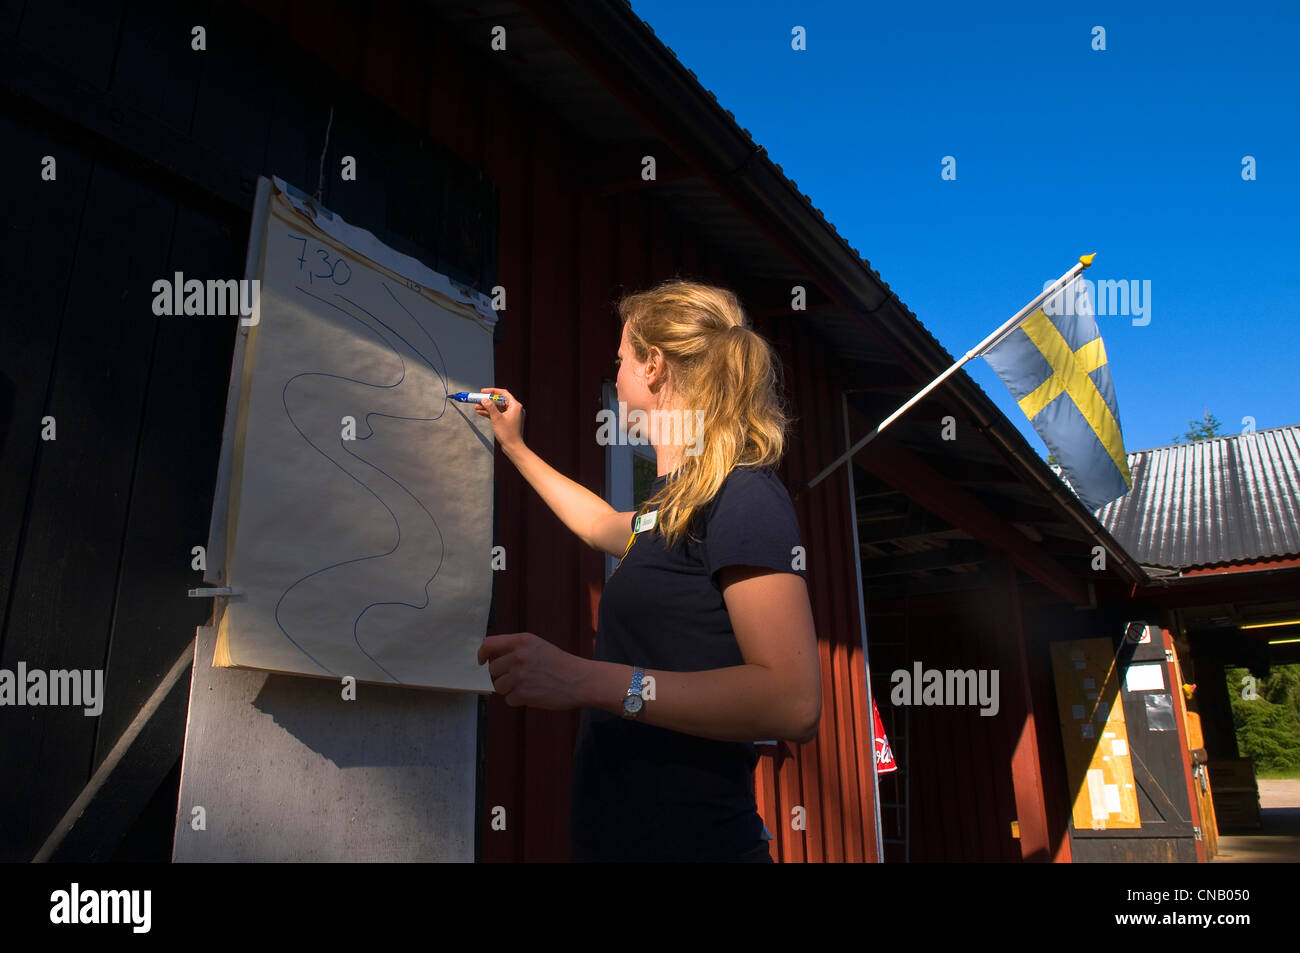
[[1175, 673], [1026, 771]]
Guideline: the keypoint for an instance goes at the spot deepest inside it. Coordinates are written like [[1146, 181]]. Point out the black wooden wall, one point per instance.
[[158, 148]]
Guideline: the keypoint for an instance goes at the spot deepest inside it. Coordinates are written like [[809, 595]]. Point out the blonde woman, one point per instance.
[[705, 600]]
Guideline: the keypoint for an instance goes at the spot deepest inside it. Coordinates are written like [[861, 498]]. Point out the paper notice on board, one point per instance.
[[1160, 712], [1097, 795], [1144, 678], [1098, 763], [1112, 798], [360, 516]]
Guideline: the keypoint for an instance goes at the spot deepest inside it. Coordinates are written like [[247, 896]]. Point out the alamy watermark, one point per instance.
[[214, 297], [947, 687], [81, 906], [1109, 297], [658, 427], [76, 687]]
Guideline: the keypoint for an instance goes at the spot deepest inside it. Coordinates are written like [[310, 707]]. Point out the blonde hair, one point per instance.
[[717, 363]]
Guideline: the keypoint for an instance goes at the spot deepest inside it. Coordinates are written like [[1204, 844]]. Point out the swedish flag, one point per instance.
[[1054, 364]]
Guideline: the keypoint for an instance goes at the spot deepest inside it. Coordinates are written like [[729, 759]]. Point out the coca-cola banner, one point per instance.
[[885, 762]]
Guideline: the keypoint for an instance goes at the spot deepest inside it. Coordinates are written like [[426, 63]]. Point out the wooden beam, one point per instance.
[[914, 524], [609, 179], [1184, 741], [900, 587], [1255, 566], [898, 466], [112, 800], [770, 298], [970, 471], [205, 175], [884, 492], [957, 554], [1261, 586], [1026, 769], [887, 378], [874, 542]]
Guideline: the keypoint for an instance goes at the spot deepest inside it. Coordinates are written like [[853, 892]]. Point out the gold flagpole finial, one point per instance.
[[1086, 260]]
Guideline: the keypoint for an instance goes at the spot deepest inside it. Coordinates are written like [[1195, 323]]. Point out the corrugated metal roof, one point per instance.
[[1219, 500]]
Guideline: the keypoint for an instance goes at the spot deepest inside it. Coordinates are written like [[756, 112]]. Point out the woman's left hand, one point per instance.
[[528, 670]]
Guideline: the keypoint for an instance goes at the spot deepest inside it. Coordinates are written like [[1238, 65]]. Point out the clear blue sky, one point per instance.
[[1134, 153]]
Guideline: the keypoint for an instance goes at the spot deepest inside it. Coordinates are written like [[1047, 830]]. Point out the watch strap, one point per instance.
[[638, 674]]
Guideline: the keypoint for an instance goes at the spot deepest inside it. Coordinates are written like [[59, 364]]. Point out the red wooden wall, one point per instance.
[[565, 258]]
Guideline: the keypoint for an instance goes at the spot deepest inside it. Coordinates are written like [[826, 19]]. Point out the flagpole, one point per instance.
[[1007, 327]]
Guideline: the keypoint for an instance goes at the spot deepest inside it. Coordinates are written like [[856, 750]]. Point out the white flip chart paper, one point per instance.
[[359, 520]]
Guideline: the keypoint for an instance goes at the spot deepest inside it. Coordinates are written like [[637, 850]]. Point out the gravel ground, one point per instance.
[[1278, 840], [1280, 793]]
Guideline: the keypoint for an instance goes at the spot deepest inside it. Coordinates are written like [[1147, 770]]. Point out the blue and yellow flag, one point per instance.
[[1054, 364]]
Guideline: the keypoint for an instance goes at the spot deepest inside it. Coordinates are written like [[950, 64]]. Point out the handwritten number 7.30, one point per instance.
[[332, 272]]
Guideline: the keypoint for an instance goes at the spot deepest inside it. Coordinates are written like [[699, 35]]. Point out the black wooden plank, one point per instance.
[[299, 116], [1134, 850], [64, 590], [105, 563], [150, 839], [71, 110], [418, 176], [459, 224], [156, 69], [1157, 755], [232, 114], [488, 238], [11, 14], [78, 35], [412, 193], [1157, 771], [256, 83], [36, 258], [358, 133], [95, 828], [171, 492]]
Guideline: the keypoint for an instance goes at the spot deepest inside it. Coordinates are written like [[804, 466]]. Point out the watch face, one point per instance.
[[632, 704]]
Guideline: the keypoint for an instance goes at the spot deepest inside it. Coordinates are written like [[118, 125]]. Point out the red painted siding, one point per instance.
[[565, 257]]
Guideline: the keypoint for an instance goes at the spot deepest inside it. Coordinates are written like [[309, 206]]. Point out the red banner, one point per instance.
[[885, 762]]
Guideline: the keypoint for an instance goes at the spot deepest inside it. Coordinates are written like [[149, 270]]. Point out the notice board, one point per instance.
[[1098, 760], [353, 518]]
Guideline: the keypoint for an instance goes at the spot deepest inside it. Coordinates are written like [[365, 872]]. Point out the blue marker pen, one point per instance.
[[501, 400]]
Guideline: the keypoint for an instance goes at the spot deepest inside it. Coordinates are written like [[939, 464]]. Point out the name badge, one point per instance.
[[645, 521]]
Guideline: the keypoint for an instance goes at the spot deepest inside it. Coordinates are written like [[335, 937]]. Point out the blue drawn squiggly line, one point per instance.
[[284, 401]]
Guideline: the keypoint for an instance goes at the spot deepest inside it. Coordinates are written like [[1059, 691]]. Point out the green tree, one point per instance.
[[1207, 426], [1268, 726]]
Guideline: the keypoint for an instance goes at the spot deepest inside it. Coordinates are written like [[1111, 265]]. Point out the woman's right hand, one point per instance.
[[508, 424]]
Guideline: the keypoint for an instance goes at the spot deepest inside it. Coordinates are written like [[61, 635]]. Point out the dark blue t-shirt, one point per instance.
[[645, 793]]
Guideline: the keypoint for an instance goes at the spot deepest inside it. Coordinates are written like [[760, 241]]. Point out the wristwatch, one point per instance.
[[632, 701]]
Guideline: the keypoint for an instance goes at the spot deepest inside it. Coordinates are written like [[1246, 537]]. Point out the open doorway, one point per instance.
[[1260, 822]]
